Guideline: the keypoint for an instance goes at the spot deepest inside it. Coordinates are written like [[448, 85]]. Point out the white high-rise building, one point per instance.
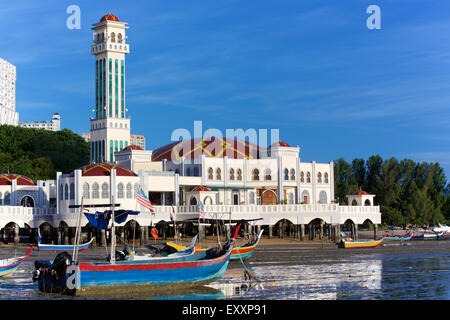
[[8, 114], [110, 129], [53, 125]]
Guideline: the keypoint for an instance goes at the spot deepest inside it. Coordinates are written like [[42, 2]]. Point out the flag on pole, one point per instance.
[[144, 201], [173, 211], [201, 210]]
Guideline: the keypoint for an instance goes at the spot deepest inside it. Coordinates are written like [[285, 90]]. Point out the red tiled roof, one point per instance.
[[7, 179], [201, 188], [132, 147], [104, 169], [211, 147]]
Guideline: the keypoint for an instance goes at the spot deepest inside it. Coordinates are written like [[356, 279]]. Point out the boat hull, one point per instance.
[[190, 270], [57, 247], [360, 244], [9, 266]]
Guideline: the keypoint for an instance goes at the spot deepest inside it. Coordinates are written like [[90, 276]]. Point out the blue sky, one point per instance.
[[311, 69]]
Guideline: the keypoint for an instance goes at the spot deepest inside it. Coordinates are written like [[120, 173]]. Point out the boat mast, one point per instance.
[[78, 233], [113, 234]]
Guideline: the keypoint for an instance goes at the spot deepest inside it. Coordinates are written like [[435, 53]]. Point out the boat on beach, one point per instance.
[[241, 252], [360, 244], [185, 268], [9, 266], [404, 237], [62, 247], [428, 236]]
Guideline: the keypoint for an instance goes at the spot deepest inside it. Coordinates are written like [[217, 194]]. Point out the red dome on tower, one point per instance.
[[360, 192], [109, 17]]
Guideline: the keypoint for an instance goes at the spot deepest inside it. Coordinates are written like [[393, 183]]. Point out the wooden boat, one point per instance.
[[242, 252], [9, 266], [360, 244], [427, 236], [61, 275], [405, 237], [63, 247]]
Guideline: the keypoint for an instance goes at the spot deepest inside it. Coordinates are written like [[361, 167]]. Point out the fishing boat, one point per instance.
[[360, 244], [405, 237], [242, 252], [9, 266], [63, 276], [68, 276], [428, 236], [63, 247]]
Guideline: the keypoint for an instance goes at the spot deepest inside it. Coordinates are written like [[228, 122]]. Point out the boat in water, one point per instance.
[[9, 266], [63, 247]]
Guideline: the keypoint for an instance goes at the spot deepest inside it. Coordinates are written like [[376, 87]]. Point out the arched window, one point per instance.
[[188, 172], [286, 174], [7, 199], [1, 199], [319, 177], [292, 174], [193, 201], [61, 192], [86, 193], [302, 176], [325, 177], [323, 197], [119, 38], [210, 173], [218, 174], [196, 172], [105, 190], [367, 203], [95, 193], [66, 192], [72, 191], [267, 175], [231, 174], [239, 174], [255, 175], [290, 198], [135, 189], [120, 193], [113, 37], [252, 197], [129, 190], [308, 177]]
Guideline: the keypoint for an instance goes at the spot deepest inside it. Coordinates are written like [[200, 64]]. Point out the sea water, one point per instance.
[[406, 271]]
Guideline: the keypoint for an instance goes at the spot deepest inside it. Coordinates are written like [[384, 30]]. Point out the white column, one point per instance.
[[78, 187], [280, 179], [58, 189], [14, 193], [297, 177], [112, 186], [331, 180]]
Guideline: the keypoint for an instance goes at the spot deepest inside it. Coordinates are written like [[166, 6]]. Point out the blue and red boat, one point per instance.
[[61, 275], [63, 247]]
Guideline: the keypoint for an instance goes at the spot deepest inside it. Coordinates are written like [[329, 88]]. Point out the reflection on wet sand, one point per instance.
[[298, 282]]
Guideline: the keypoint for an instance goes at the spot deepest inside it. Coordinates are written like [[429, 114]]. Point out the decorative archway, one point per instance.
[[27, 201], [268, 197]]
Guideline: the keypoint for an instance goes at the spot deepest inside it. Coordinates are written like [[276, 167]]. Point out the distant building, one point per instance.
[[137, 140], [86, 136], [53, 125], [8, 114]]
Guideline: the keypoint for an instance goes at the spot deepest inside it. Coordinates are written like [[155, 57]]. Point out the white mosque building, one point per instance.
[[232, 178]]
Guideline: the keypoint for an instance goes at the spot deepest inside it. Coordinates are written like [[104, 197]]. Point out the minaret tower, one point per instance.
[[110, 128]]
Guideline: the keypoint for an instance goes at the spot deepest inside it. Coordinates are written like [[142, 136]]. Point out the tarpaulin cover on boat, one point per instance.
[[100, 220]]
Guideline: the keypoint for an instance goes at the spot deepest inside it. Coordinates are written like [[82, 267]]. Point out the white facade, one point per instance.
[[110, 129], [8, 114], [53, 125]]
